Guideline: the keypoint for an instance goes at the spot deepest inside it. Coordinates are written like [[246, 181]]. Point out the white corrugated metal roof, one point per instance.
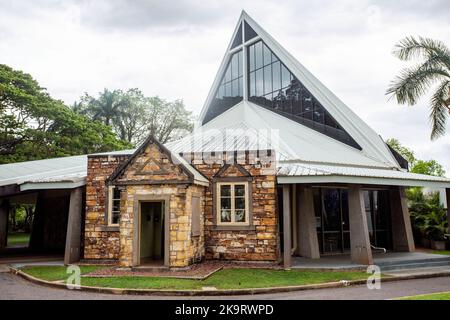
[[65, 169], [302, 172], [247, 126]]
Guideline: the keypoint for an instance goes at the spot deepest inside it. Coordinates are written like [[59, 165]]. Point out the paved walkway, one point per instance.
[[13, 287]]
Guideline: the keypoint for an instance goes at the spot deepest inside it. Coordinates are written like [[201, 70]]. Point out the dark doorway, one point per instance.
[[378, 213], [151, 235], [332, 222]]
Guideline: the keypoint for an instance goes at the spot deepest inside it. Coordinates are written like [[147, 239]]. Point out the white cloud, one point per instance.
[[173, 49]]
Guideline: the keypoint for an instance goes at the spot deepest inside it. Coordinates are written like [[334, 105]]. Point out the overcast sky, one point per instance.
[[173, 49]]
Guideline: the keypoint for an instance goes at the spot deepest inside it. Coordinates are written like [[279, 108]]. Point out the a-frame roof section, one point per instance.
[[369, 141], [190, 171]]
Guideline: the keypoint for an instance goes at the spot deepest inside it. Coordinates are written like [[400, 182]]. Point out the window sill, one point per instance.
[[234, 228]]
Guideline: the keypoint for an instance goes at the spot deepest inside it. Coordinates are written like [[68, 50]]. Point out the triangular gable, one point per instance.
[[346, 126], [151, 163], [232, 170]]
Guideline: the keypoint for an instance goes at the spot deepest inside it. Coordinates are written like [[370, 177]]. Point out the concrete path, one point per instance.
[[13, 287]]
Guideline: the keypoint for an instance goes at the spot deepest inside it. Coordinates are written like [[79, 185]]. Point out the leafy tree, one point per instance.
[[413, 82], [134, 116], [167, 120], [404, 152], [428, 167], [428, 215], [34, 126]]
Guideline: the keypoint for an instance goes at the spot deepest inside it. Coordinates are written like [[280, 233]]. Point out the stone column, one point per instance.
[[402, 236], [361, 252], [4, 213], [308, 244], [73, 239], [286, 227]]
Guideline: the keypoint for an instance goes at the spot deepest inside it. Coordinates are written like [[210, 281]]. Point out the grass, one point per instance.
[[53, 273], [443, 252], [431, 296], [223, 279], [18, 239]]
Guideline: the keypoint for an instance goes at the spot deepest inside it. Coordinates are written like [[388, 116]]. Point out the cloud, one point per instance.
[[173, 49]]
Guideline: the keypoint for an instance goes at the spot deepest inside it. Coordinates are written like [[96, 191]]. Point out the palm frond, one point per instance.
[[411, 47], [413, 82], [439, 109]]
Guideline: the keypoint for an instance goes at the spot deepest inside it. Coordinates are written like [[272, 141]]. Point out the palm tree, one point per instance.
[[107, 107], [414, 82]]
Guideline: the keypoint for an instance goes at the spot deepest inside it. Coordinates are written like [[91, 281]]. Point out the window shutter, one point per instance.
[[196, 211]]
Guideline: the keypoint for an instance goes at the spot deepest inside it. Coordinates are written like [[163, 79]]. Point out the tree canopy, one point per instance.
[[133, 116], [428, 167], [34, 126]]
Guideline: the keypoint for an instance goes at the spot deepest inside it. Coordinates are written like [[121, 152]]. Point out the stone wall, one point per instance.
[[259, 244], [100, 241], [183, 248]]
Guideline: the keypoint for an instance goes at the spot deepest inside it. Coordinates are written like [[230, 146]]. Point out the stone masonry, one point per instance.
[[101, 241]]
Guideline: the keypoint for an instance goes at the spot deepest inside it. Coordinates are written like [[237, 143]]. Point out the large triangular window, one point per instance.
[[230, 90], [273, 86]]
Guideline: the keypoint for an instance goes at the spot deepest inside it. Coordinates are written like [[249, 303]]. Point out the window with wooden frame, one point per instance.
[[113, 206], [232, 204]]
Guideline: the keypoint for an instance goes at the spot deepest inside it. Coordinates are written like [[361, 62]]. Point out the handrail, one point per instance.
[[378, 248]]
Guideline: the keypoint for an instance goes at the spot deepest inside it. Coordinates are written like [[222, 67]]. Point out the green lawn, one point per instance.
[[223, 279], [432, 296], [18, 239], [53, 273], [444, 252]]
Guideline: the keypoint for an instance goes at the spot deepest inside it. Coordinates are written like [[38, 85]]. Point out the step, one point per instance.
[[402, 266], [422, 260]]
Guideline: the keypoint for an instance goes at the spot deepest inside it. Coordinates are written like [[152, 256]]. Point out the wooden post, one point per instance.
[[286, 228]]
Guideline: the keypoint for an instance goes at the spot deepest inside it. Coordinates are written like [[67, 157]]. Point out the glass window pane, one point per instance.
[[240, 87], [268, 79], [252, 84], [234, 66], [115, 219], [227, 73], [239, 216], [116, 193], [285, 77], [235, 88], [221, 92], [225, 215], [240, 63], [276, 76], [239, 190], [251, 57], [227, 90], [258, 55], [259, 82], [318, 113], [239, 203], [274, 57], [267, 55], [225, 190], [225, 203]]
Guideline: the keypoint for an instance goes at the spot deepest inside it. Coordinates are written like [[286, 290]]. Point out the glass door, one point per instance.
[[331, 207], [378, 217]]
